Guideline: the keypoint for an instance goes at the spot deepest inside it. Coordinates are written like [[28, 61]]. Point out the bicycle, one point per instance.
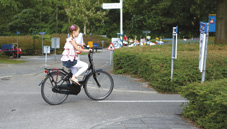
[[56, 86]]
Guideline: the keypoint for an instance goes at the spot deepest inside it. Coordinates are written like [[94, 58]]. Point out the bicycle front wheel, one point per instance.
[[99, 86], [50, 88]]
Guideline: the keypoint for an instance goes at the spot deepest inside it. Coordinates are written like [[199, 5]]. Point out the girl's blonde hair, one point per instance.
[[73, 28]]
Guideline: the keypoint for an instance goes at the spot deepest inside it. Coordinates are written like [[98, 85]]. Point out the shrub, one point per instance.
[[207, 103], [32, 45], [153, 63]]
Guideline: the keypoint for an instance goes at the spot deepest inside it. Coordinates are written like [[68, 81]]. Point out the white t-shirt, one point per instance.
[[79, 39]]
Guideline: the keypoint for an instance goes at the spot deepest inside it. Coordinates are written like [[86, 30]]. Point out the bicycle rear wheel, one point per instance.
[[99, 92], [50, 88]]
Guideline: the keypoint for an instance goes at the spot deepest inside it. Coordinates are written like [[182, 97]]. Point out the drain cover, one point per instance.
[[5, 78]]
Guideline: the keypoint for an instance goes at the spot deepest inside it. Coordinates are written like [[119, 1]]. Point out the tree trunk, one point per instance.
[[221, 22], [85, 27]]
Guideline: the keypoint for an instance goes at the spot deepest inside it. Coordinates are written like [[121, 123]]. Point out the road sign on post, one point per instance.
[[116, 6], [146, 32], [174, 48], [204, 34], [111, 5], [111, 48], [212, 21]]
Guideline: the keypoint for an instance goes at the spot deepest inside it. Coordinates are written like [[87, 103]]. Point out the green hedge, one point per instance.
[[32, 45], [153, 63], [207, 103]]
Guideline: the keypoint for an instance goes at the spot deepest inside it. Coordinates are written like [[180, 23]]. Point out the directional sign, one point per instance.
[[111, 47], [111, 6], [146, 31], [203, 27], [41, 32]]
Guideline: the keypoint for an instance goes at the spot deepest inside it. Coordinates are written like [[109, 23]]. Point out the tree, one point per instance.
[[84, 11], [221, 22], [8, 8], [24, 21]]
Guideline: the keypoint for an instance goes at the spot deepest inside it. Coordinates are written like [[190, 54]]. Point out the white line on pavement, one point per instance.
[[143, 101], [134, 91]]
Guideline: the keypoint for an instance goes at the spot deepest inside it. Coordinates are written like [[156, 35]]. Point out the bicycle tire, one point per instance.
[[93, 91], [51, 81]]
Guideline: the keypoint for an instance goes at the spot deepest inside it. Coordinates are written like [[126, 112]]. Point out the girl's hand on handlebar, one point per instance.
[[90, 50]]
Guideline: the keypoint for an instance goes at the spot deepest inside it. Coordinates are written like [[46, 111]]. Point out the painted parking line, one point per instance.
[[143, 101]]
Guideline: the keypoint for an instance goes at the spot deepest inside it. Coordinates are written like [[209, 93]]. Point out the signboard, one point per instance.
[[42, 32], [55, 42], [174, 43], [111, 47], [111, 6], [146, 32], [18, 32], [203, 27], [46, 49], [116, 42], [212, 21]]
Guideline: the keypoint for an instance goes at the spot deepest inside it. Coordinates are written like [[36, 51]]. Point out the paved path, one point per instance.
[[131, 105]]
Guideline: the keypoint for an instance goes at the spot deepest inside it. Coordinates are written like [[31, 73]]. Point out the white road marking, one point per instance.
[[134, 91], [143, 101]]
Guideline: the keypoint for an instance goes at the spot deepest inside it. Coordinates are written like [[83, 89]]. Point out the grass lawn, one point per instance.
[[11, 61]]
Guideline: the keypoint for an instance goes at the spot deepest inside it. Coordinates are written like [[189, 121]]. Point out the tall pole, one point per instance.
[[174, 49], [205, 55], [17, 45], [42, 45], [121, 21]]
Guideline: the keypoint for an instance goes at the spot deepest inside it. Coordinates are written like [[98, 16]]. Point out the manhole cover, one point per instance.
[[5, 78]]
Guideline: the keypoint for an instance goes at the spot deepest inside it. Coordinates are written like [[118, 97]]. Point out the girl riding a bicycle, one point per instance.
[[69, 55]]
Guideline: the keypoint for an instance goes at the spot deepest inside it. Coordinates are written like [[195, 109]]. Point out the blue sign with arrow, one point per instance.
[[203, 27]]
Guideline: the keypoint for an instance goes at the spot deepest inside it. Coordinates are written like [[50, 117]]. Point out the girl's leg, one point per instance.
[[83, 67]]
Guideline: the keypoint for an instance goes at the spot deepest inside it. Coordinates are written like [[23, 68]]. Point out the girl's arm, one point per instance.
[[77, 48]]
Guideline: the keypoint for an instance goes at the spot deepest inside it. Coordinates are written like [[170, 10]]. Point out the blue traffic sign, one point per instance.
[[203, 27], [212, 21], [42, 32], [18, 32]]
